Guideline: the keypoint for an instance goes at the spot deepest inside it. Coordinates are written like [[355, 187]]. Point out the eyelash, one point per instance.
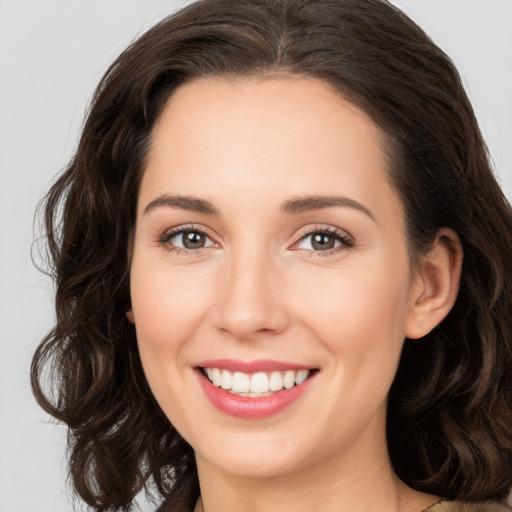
[[345, 241], [168, 235]]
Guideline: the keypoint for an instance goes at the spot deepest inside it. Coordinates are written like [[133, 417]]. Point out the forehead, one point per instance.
[[305, 109], [285, 135]]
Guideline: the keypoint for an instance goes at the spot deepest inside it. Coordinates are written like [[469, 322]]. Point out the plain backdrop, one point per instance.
[[52, 53]]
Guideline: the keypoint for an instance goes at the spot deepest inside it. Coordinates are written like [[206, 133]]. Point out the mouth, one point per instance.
[[253, 390], [257, 384]]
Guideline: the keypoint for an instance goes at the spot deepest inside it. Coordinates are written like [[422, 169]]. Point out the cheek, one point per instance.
[[367, 299], [360, 318], [168, 311], [167, 306]]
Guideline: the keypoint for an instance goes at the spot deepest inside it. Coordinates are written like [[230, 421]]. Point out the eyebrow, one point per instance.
[[189, 203], [291, 206], [310, 203]]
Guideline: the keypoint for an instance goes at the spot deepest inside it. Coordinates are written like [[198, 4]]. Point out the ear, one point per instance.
[[130, 316], [436, 284]]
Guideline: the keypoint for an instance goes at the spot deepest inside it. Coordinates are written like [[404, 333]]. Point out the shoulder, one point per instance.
[[460, 506]]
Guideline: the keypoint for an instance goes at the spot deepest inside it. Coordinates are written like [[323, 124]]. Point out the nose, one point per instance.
[[251, 297]]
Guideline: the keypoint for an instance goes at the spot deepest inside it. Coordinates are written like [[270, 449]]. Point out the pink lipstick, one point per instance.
[[253, 389]]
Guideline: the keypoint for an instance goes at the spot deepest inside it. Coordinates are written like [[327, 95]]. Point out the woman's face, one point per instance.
[[269, 248]]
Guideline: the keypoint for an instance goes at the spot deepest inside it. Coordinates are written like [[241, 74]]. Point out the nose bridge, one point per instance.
[[250, 294]]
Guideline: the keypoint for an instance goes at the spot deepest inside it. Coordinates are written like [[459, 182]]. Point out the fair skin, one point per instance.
[[241, 270]]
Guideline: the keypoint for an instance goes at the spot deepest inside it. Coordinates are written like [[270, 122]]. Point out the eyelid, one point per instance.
[[324, 228], [346, 239], [164, 238]]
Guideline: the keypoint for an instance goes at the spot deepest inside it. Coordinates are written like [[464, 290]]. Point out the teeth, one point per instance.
[[301, 376], [259, 383], [276, 381], [256, 384], [226, 380], [289, 379], [240, 383], [216, 376]]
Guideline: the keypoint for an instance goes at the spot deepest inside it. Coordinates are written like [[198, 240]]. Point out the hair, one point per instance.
[[450, 406]]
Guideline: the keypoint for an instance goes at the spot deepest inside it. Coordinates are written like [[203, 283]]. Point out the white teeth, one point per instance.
[[289, 379], [259, 383], [240, 383], [301, 376], [276, 381], [256, 384], [226, 380], [216, 376]]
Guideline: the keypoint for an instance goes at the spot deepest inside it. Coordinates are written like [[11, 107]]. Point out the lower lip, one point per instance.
[[252, 408]]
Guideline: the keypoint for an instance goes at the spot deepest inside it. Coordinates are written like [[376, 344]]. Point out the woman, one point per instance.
[[283, 271]]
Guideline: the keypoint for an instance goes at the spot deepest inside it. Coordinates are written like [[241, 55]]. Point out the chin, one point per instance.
[[258, 466], [255, 456]]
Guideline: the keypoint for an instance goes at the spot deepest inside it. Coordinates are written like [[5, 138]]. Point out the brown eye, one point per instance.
[[322, 242], [190, 239], [193, 240]]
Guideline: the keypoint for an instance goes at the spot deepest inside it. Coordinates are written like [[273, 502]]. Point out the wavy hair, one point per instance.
[[450, 406]]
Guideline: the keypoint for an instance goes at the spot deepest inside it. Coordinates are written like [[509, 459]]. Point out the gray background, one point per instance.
[[52, 53]]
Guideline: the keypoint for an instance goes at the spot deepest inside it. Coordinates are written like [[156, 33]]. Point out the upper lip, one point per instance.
[[257, 365]]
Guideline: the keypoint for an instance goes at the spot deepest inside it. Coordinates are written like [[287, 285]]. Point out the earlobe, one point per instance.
[[436, 286], [129, 315]]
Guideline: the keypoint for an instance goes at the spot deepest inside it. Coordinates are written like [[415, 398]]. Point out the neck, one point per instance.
[[359, 480]]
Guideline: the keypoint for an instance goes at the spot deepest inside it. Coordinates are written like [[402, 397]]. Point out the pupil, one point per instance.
[[322, 242], [193, 240]]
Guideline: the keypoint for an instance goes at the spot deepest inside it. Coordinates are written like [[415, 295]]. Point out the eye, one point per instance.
[[186, 239], [189, 240], [323, 240]]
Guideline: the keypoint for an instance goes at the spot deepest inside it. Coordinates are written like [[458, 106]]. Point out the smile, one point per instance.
[[256, 384], [253, 390]]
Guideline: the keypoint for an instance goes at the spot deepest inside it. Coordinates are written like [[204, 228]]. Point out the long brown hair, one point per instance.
[[450, 407]]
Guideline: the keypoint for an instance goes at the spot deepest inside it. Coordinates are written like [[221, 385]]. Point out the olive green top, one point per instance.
[[459, 506], [440, 506]]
